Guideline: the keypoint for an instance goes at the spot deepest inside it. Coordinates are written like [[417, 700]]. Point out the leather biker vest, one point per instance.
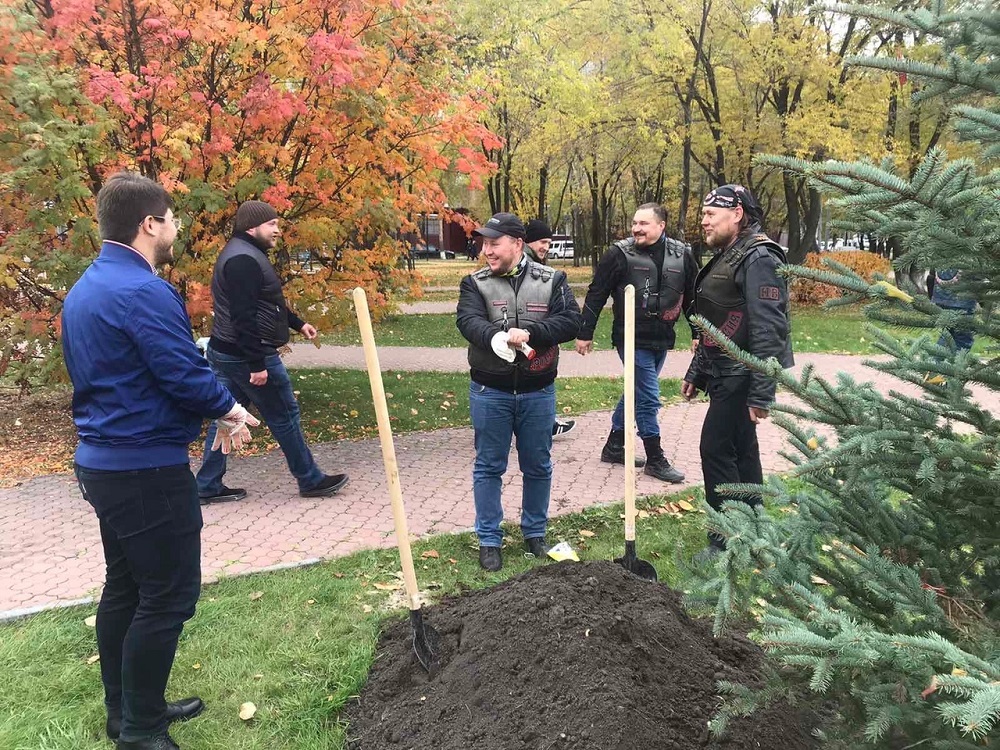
[[659, 293], [272, 314], [719, 299], [514, 309]]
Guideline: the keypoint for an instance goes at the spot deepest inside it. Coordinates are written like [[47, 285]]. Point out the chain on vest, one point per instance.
[[665, 299], [515, 309], [719, 299]]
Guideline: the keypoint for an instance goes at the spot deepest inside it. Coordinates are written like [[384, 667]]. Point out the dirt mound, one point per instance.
[[570, 655]]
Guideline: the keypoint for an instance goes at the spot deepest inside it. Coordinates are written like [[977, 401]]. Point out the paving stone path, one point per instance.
[[50, 551]]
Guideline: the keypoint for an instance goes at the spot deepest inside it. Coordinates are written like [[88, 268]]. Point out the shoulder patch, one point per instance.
[[770, 293], [482, 273]]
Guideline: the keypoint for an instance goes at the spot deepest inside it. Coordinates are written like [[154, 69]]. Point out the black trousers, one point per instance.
[[729, 449], [151, 530]]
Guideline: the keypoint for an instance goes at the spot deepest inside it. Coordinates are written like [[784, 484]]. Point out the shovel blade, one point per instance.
[[634, 565], [426, 643]]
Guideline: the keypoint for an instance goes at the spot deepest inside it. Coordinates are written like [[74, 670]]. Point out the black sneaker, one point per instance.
[[490, 559], [536, 546], [660, 468], [612, 454], [331, 485], [225, 495], [561, 428]]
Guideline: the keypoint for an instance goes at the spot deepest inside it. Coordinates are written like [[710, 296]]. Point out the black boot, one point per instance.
[[181, 710], [614, 450], [657, 464]]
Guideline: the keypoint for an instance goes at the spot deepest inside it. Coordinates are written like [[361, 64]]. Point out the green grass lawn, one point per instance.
[[296, 643], [814, 329], [337, 404]]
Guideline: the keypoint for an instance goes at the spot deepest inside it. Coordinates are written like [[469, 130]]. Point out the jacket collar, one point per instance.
[[121, 251]]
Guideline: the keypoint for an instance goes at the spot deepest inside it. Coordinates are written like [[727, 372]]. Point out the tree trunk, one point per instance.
[[543, 183]]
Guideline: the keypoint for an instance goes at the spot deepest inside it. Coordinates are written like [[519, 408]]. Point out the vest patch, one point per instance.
[[499, 302], [770, 293], [537, 307]]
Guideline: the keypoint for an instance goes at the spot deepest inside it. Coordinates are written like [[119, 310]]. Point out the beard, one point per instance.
[[720, 242], [163, 253]]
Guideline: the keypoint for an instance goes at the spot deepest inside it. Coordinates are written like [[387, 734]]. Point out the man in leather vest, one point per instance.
[[663, 272], [740, 292], [514, 313], [252, 322], [537, 240]]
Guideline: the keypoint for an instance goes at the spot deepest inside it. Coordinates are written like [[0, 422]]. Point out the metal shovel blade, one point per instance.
[[634, 565], [426, 642]]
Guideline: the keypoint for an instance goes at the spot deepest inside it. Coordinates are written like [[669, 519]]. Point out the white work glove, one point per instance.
[[232, 429], [501, 348]]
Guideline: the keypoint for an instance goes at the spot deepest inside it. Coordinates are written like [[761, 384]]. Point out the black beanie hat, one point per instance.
[[537, 230], [252, 214]]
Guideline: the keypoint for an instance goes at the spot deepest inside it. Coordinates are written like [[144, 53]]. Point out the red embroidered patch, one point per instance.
[[537, 307], [770, 292]]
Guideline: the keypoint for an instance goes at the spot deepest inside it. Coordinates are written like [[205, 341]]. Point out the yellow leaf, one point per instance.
[[93, 659], [387, 586], [956, 672], [586, 533], [430, 553], [247, 711], [566, 410], [310, 601], [685, 505], [91, 622], [894, 291], [813, 443], [642, 514], [196, 665], [256, 595]]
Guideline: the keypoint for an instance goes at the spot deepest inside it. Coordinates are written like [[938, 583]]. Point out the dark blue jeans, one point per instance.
[[151, 531], [497, 417], [648, 364], [277, 405], [963, 338]]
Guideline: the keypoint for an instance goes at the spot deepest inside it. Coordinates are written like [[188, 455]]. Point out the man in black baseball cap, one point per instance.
[[740, 292], [514, 314]]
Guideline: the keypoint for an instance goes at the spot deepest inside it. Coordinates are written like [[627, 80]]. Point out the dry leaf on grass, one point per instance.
[[247, 711], [430, 553], [256, 595], [91, 622], [387, 586], [685, 505], [586, 533], [93, 659]]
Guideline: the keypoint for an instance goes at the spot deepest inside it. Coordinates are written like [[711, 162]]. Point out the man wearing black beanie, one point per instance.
[[537, 239], [252, 321]]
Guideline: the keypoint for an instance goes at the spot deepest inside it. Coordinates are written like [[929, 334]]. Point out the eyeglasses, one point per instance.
[[177, 222]]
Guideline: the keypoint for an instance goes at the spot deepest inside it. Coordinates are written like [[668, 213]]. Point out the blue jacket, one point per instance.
[[140, 386]]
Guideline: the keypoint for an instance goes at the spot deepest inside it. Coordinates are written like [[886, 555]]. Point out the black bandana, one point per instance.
[[731, 196]]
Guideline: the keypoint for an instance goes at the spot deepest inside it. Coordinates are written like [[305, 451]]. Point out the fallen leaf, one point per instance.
[[386, 586], [819, 581], [586, 633], [642, 514], [93, 659], [430, 553], [813, 443], [367, 608], [196, 665], [91, 622], [566, 410], [586, 533], [247, 711], [956, 672], [453, 561], [256, 595], [258, 676], [338, 575], [414, 412], [310, 601], [685, 505]]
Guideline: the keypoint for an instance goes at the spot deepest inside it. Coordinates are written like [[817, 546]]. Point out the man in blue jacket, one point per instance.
[[140, 392]]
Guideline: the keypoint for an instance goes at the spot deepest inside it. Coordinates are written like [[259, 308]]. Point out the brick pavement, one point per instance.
[[50, 552]]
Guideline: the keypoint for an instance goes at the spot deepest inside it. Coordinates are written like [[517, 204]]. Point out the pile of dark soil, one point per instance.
[[570, 655]]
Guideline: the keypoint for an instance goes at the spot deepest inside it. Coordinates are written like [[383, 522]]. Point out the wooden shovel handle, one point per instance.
[[629, 413], [388, 449]]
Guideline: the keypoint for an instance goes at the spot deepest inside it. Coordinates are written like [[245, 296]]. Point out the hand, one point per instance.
[[584, 347], [232, 429], [516, 337], [757, 414], [694, 345], [308, 331], [258, 378], [688, 390]]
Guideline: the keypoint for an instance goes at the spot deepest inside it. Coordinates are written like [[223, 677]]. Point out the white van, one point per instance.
[[561, 247]]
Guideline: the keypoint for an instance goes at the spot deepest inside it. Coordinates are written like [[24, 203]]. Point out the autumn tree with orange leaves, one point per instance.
[[344, 115]]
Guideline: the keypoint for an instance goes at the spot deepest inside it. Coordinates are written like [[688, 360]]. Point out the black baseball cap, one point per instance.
[[537, 230], [731, 196], [501, 224]]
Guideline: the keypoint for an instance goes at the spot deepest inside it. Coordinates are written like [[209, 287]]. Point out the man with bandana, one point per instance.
[[740, 293], [514, 313]]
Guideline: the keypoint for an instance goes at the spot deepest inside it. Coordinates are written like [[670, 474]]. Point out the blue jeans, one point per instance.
[[963, 338], [648, 364], [151, 531], [276, 404], [497, 416]]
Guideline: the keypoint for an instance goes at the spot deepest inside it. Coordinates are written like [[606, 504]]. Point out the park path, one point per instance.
[[50, 551]]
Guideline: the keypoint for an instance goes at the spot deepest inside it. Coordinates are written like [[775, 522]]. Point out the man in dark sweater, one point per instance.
[[252, 322], [663, 271], [140, 392], [514, 313]]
